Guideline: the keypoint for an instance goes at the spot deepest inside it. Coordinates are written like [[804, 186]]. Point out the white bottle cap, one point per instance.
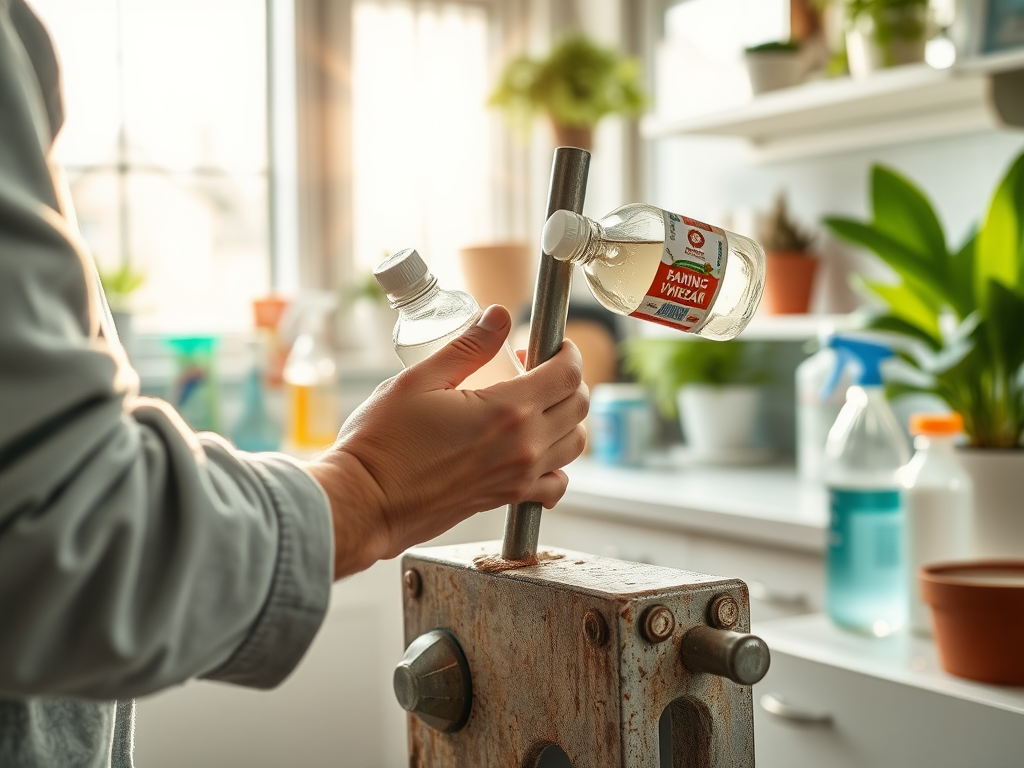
[[564, 234], [403, 274]]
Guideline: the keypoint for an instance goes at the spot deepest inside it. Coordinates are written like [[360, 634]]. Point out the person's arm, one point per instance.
[[133, 555]]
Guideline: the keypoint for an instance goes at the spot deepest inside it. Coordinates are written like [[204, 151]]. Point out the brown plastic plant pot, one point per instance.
[[789, 282], [978, 618]]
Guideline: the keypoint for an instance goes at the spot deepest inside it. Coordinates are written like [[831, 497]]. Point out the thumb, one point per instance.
[[461, 357]]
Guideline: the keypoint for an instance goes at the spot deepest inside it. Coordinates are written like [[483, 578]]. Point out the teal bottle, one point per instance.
[[866, 586], [256, 430]]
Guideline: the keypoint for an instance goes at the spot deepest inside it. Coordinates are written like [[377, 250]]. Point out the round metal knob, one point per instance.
[[742, 658], [432, 681]]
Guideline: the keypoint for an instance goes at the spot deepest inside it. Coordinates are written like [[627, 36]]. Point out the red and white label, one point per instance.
[[689, 276]]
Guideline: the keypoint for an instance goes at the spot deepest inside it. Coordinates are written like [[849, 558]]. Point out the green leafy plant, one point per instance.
[[959, 313], [119, 284], [775, 46], [893, 19], [665, 365], [577, 84]]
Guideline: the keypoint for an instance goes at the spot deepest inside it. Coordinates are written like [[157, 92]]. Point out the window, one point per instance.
[[422, 133], [165, 148]]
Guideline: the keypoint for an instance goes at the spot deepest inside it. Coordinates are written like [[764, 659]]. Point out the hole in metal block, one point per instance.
[[685, 735], [553, 757]]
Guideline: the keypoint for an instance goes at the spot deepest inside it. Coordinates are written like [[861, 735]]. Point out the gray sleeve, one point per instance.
[[133, 553]]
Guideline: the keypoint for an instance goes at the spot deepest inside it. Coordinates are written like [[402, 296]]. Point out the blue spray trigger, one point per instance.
[[865, 356]]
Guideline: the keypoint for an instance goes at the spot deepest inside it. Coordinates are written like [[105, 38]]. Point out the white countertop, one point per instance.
[[753, 503], [901, 658]]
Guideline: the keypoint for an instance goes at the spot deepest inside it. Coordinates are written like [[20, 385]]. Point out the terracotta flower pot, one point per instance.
[[789, 281], [978, 618], [574, 136], [500, 273]]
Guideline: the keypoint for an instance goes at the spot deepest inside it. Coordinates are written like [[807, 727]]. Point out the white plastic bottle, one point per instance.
[[938, 497], [668, 269], [429, 317], [866, 449]]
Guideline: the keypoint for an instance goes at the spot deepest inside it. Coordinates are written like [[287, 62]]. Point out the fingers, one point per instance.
[[550, 488], [550, 382], [451, 365]]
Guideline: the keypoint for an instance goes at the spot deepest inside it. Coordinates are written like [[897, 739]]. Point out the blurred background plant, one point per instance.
[[959, 313], [119, 284], [667, 365], [576, 85]]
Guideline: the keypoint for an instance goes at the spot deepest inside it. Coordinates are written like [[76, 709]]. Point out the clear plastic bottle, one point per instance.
[[939, 497], [866, 588], [429, 317], [648, 263]]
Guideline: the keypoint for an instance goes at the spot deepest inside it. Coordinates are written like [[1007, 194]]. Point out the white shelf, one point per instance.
[[907, 103], [770, 328], [901, 658]]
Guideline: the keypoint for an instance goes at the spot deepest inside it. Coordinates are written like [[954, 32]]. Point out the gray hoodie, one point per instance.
[[134, 554]]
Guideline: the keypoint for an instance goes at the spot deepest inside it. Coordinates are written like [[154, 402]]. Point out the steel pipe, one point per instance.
[[566, 191]]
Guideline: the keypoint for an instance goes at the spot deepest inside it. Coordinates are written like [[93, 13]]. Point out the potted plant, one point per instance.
[[712, 386], [576, 85], [119, 285], [790, 264], [774, 65], [959, 314], [885, 33]]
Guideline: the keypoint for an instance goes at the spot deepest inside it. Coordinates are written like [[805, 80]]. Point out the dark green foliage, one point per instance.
[[960, 312]]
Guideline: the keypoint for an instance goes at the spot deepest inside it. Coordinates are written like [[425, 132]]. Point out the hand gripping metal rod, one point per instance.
[[567, 190]]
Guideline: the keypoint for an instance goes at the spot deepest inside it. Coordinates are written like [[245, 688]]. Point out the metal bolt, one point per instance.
[[433, 681], [724, 612], [413, 583], [658, 623], [595, 629]]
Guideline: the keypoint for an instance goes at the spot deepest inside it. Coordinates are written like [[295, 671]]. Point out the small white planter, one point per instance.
[[998, 513], [772, 70], [720, 423], [866, 56]]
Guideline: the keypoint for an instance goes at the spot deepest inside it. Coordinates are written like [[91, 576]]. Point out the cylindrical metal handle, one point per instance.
[[567, 190], [773, 704], [742, 658]]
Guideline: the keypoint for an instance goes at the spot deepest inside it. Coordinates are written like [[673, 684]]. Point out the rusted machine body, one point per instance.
[[511, 652], [582, 652]]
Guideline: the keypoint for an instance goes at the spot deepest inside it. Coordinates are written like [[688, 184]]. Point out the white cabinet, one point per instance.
[[337, 708], [843, 701]]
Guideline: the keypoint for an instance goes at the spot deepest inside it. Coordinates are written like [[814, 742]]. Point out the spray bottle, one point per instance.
[[820, 396], [866, 588], [311, 378]]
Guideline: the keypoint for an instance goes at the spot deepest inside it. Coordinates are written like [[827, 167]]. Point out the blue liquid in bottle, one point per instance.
[[866, 588]]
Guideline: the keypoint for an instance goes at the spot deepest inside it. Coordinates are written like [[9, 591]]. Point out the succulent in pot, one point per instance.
[[774, 65], [791, 266]]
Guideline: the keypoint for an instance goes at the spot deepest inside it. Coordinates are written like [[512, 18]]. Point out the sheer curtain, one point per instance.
[[423, 138]]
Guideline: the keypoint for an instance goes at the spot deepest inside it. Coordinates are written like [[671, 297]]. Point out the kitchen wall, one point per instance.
[[718, 180]]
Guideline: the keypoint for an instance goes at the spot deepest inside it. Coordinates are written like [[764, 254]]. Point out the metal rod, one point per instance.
[[566, 192]]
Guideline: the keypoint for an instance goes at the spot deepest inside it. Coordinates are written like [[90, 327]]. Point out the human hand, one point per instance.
[[420, 456]]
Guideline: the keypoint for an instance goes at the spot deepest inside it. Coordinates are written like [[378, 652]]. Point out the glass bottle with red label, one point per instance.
[[648, 263]]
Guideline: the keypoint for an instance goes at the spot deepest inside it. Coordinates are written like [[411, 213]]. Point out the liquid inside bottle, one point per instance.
[[668, 269], [429, 317]]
